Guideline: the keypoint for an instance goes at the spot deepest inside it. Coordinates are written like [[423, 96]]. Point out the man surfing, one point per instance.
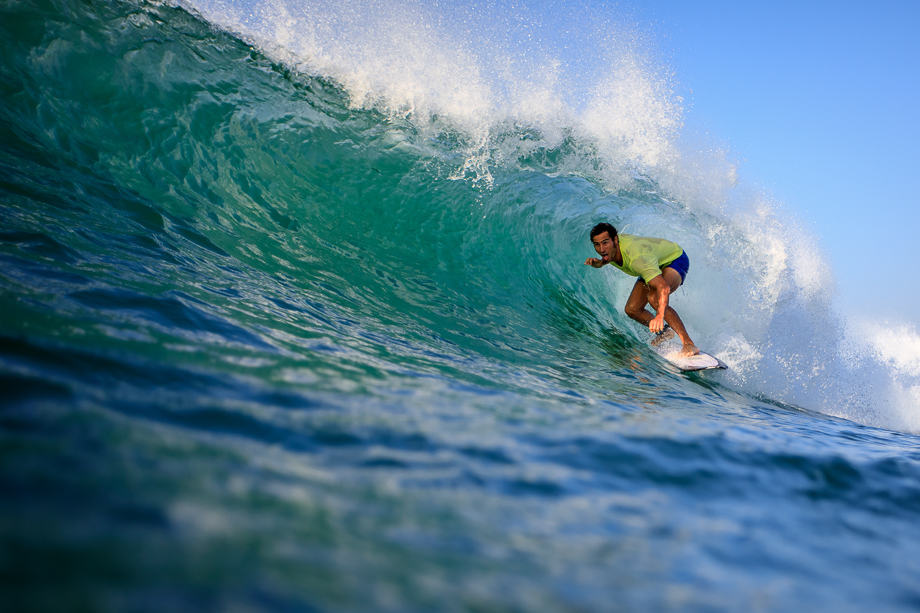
[[661, 267]]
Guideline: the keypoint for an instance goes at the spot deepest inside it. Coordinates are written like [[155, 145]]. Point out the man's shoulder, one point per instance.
[[647, 243], [638, 244]]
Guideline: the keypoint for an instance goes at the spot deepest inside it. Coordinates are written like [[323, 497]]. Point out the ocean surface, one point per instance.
[[294, 317]]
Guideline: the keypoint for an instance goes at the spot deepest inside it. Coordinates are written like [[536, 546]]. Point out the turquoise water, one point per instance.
[[270, 345]]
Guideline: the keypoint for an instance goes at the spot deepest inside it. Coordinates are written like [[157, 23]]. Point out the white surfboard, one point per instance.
[[700, 361]]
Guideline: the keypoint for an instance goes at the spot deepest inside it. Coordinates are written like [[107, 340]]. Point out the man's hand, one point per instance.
[[657, 324], [596, 262]]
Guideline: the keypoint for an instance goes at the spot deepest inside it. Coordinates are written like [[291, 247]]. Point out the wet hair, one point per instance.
[[601, 228]]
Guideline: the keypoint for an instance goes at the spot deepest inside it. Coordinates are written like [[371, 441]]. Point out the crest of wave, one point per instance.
[[484, 72]]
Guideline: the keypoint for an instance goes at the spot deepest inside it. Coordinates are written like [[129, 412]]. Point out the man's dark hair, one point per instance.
[[603, 227]]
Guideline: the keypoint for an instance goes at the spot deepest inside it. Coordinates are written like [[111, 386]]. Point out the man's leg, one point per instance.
[[635, 304], [672, 277]]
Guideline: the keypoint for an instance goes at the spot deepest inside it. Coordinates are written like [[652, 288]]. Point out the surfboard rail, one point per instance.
[[700, 361]]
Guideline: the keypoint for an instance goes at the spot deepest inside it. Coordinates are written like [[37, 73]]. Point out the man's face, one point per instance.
[[604, 246]]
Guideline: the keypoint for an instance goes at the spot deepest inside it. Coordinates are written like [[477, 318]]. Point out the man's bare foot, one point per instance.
[[665, 335], [688, 350]]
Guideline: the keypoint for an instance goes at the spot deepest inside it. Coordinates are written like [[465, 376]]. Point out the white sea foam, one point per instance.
[[896, 345], [896, 348]]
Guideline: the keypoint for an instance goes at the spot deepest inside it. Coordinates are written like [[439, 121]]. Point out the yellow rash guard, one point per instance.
[[645, 257]]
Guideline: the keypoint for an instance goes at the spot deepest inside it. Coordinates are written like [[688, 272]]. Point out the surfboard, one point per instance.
[[700, 361]]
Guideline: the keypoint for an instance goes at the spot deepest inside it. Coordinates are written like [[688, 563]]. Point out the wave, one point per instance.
[[363, 195]]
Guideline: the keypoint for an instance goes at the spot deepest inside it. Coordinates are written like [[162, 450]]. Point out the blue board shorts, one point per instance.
[[681, 264]]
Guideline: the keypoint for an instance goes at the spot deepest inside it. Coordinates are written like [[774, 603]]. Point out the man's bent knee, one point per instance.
[[634, 311]]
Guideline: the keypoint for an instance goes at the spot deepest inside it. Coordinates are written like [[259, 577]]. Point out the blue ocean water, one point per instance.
[[295, 317]]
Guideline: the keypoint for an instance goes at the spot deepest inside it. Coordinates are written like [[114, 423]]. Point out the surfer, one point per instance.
[[661, 267]]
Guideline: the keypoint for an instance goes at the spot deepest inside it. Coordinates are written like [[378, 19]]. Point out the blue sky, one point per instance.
[[818, 103]]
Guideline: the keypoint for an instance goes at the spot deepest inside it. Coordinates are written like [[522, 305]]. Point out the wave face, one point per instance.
[[295, 316]]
